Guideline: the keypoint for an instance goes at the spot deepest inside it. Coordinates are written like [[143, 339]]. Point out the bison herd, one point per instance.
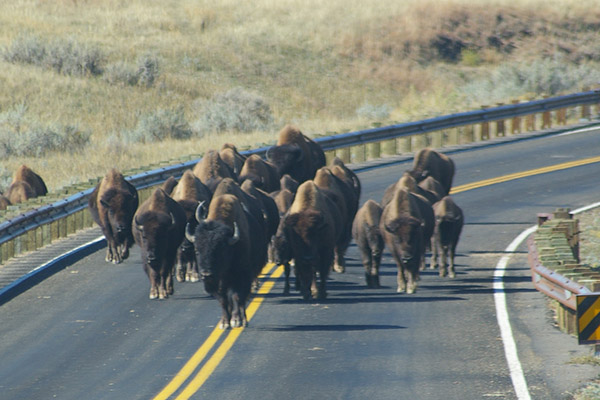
[[223, 220], [25, 185]]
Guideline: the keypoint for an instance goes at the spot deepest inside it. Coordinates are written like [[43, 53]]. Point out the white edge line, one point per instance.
[[48, 264], [510, 347]]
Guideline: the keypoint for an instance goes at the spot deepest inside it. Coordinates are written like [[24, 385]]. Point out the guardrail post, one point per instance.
[[561, 116], [388, 147], [418, 142], [373, 150], [500, 132], [530, 122], [467, 134], [485, 128], [516, 121], [357, 154], [344, 154], [453, 137], [403, 145]]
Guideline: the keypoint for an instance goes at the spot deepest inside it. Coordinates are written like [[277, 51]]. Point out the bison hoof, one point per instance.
[[192, 278], [153, 295], [411, 290], [451, 274], [400, 290], [223, 325], [339, 268]]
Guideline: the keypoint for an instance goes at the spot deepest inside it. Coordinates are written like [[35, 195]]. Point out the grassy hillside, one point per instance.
[[86, 85]]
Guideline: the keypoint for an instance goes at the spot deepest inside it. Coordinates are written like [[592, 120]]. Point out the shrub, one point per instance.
[[121, 73], [67, 57], [21, 136], [147, 70], [235, 110], [374, 113], [470, 58], [158, 126]]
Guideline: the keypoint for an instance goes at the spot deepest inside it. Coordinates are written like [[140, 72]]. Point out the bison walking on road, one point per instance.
[[449, 221], [112, 205], [402, 228], [296, 154], [227, 242], [312, 228], [159, 226], [211, 169], [189, 193], [368, 238], [428, 162]]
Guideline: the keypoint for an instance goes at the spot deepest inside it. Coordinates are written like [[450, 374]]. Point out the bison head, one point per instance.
[[286, 159], [152, 231], [120, 207], [213, 241], [407, 232]]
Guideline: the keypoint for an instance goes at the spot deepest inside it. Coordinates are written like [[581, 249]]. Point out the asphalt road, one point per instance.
[[90, 331]]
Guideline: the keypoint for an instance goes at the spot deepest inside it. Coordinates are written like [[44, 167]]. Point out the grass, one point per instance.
[[323, 66]]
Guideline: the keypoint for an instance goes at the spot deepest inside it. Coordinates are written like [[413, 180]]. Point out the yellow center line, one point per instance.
[[517, 175], [212, 363], [208, 368]]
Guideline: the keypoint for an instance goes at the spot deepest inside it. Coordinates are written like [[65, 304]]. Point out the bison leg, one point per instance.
[[444, 261], [192, 274], [286, 269], [124, 251], [154, 281], [339, 264], [451, 272], [375, 262], [411, 277]]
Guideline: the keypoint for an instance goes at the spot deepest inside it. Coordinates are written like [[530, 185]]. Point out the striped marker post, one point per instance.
[[588, 318]]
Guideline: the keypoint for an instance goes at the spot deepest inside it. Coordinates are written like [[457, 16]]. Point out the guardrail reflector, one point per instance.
[[588, 318]]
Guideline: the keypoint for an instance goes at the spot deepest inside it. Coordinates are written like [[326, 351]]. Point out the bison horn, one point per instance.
[[201, 211], [236, 234], [190, 235], [173, 220], [137, 224]]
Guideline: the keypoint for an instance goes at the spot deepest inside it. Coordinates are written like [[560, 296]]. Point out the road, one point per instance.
[[90, 331]]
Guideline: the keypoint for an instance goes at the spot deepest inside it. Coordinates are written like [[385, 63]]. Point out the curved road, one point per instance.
[[90, 331]]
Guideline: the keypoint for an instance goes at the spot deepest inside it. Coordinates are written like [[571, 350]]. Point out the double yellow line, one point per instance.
[[211, 364]]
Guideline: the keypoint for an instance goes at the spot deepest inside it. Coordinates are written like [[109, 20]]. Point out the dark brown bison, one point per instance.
[[227, 242], [189, 193], [262, 173], [279, 250], [233, 158], [428, 162], [169, 184], [344, 199], [25, 185], [433, 190], [19, 192], [449, 220], [402, 229], [112, 205], [312, 230], [211, 169], [345, 173], [159, 228], [296, 155], [369, 240], [269, 208], [4, 202], [289, 183]]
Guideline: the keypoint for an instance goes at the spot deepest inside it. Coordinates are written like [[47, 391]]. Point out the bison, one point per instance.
[[343, 197], [262, 173], [312, 229], [279, 250], [232, 158], [211, 170], [296, 154], [112, 205], [189, 193], [26, 184], [368, 238], [227, 242], [428, 162], [402, 228], [449, 221], [159, 228], [4, 202]]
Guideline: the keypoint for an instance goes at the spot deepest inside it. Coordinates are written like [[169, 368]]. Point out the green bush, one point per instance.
[[22, 136], [66, 57], [158, 126], [144, 73], [235, 110], [374, 113], [147, 70]]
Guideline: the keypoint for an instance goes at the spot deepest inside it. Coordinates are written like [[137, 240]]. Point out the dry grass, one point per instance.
[[314, 62]]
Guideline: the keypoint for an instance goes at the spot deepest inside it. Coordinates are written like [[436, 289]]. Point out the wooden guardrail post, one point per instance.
[[343, 154], [388, 147], [373, 150], [403, 145], [500, 132], [485, 128], [357, 154], [516, 121]]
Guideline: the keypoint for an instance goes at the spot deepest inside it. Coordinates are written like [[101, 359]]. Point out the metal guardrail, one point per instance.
[[28, 221], [551, 283]]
